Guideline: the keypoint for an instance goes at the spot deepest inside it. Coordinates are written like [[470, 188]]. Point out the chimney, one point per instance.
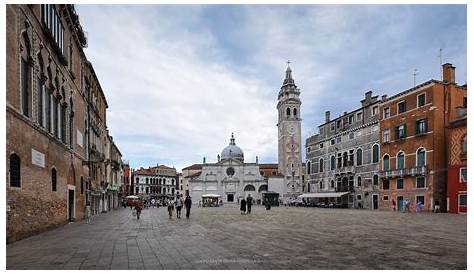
[[384, 97], [449, 73], [328, 116], [368, 95], [203, 160]]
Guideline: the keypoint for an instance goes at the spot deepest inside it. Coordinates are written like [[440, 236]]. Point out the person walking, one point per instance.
[[138, 208], [179, 206], [249, 204], [243, 206], [88, 212], [418, 207], [393, 205], [187, 205], [170, 208]]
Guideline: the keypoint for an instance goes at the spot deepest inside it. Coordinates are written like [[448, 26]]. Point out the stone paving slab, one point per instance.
[[221, 238]]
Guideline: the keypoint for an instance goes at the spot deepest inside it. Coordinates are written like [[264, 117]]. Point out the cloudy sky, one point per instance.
[[180, 79]]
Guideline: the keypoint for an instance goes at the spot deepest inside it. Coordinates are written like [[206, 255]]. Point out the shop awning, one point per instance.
[[211, 196], [323, 195]]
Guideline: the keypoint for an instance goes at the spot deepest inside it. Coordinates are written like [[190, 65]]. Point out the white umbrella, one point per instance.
[[131, 197]]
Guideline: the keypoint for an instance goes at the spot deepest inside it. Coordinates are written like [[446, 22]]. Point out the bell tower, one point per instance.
[[289, 134]]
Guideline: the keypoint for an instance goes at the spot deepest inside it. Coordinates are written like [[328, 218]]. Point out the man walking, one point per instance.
[[179, 206], [249, 204], [88, 212], [187, 204]]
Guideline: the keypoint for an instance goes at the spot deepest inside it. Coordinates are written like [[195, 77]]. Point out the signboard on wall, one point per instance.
[[37, 158]]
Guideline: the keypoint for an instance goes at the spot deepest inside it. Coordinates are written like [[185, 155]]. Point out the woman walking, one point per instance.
[[170, 208], [243, 206], [179, 206], [138, 209]]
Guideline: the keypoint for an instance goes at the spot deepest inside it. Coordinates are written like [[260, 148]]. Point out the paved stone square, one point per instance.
[[221, 238]]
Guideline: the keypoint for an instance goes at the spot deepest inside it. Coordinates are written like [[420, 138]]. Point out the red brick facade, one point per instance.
[[417, 160], [46, 114], [457, 165]]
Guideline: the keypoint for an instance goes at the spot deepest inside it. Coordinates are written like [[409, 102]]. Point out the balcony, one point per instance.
[[344, 170], [394, 173]]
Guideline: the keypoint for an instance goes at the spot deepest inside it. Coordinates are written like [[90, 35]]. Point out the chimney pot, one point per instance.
[[328, 116]]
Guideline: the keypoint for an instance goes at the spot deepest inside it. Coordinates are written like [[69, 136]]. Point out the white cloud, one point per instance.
[[180, 79]]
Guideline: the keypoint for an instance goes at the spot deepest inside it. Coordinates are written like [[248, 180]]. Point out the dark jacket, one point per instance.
[[249, 201], [243, 205], [187, 202]]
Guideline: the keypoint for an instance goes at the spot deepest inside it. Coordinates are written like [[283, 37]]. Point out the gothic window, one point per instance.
[[400, 160], [375, 153], [359, 157], [321, 165], [53, 179], [308, 167], [15, 174], [386, 162], [376, 180], [359, 181], [420, 157], [288, 112], [55, 117], [294, 112], [333, 162], [40, 102], [332, 183], [63, 123], [25, 87]]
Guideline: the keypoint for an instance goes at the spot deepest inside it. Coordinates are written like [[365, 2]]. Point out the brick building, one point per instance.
[[47, 118], [414, 140], [45, 113], [457, 161]]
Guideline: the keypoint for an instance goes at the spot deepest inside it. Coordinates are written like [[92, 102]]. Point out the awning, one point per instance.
[[211, 196], [323, 195]]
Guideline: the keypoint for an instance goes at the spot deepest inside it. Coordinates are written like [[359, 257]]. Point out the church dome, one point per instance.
[[232, 151]]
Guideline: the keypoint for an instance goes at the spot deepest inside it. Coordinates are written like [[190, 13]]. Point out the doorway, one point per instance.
[[400, 203], [375, 201], [70, 205], [230, 197]]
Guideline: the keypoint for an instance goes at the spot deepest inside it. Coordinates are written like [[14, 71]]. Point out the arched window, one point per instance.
[[249, 188], [376, 180], [375, 153], [400, 160], [308, 167], [263, 188], [332, 183], [82, 185], [420, 157], [321, 185], [386, 162], [359, 181], [295, 112], [15, 174], [146, 181], [464, 144], [333, 162], [53, 179], [288, 112], [359, 157], [321, 165]]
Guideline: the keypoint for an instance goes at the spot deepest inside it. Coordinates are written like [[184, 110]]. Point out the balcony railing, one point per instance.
[[345, 169], [403, 172]]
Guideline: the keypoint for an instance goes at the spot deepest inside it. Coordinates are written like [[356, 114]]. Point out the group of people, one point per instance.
[[406, 206], [179, 203], [246, 205]]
